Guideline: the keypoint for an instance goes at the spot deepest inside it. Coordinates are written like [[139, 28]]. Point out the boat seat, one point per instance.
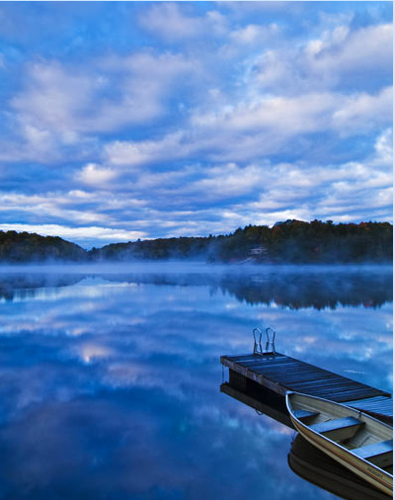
[[378, 453], [303, 415], [338, 429]]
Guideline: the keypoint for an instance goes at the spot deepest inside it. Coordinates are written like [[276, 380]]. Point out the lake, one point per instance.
[[110, 374]]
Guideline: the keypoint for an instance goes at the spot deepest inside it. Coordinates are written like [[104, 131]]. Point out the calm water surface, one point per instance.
[[110, 376]]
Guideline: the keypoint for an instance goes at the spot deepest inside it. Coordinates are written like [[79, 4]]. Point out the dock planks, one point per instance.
[[281, 373]]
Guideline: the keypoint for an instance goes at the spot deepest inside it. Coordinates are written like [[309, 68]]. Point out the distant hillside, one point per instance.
[[159, 249], [291, 241], [31, 247]]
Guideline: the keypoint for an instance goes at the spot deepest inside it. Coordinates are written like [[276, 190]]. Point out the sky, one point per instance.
[[126, 120]]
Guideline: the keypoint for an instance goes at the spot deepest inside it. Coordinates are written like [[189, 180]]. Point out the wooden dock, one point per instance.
[[280, 373]]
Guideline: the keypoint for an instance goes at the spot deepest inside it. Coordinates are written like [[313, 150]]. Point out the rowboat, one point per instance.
[[356, 440]]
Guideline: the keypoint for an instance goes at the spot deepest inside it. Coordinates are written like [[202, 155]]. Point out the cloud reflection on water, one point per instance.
[[109, 387], [290, 286]]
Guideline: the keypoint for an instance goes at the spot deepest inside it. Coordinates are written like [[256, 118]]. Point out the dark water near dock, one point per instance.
[[110, 376]]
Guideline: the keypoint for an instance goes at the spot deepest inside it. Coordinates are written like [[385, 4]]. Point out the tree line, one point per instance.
[[31, 247], [292, 241]]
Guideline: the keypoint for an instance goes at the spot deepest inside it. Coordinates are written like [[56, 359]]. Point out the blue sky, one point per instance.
[[125, 120]]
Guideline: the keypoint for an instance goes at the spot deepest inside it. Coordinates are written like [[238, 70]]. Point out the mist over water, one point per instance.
[[287, 285], [110, 374]]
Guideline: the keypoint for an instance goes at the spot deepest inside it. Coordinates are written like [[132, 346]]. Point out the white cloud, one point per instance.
[[95, 175], [254, 33], [340, 56], [227, 181], [384, 149], [336, 192], [171, 22], [133, 153], [271, 192], [53, 97], [50, 206], [267, 6], [305, 113], [257, 129], [346, 51], [66, 105], [363, 112], [77, 234], [38, 139], [190, 201]]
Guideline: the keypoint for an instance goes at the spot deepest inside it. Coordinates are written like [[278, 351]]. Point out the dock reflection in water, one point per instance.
[[304, 459]]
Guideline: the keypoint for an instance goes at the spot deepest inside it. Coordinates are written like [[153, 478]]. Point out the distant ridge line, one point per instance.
[[292, 241]]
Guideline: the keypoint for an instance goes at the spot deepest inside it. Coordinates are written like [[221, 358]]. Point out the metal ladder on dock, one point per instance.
[[270, 338]]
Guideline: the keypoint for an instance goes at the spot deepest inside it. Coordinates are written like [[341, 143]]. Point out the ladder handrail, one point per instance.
[[270, 338], [257, 344]]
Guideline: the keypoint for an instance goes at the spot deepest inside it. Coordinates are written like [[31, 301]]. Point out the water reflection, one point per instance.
[[287, 286], [304, 459], [109, 384], [314, 466]]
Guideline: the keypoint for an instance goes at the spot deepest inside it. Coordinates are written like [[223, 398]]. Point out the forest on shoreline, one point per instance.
[[292, 241]]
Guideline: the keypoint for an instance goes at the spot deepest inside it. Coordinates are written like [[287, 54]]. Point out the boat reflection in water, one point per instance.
[[314, 466], [304, 459]]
